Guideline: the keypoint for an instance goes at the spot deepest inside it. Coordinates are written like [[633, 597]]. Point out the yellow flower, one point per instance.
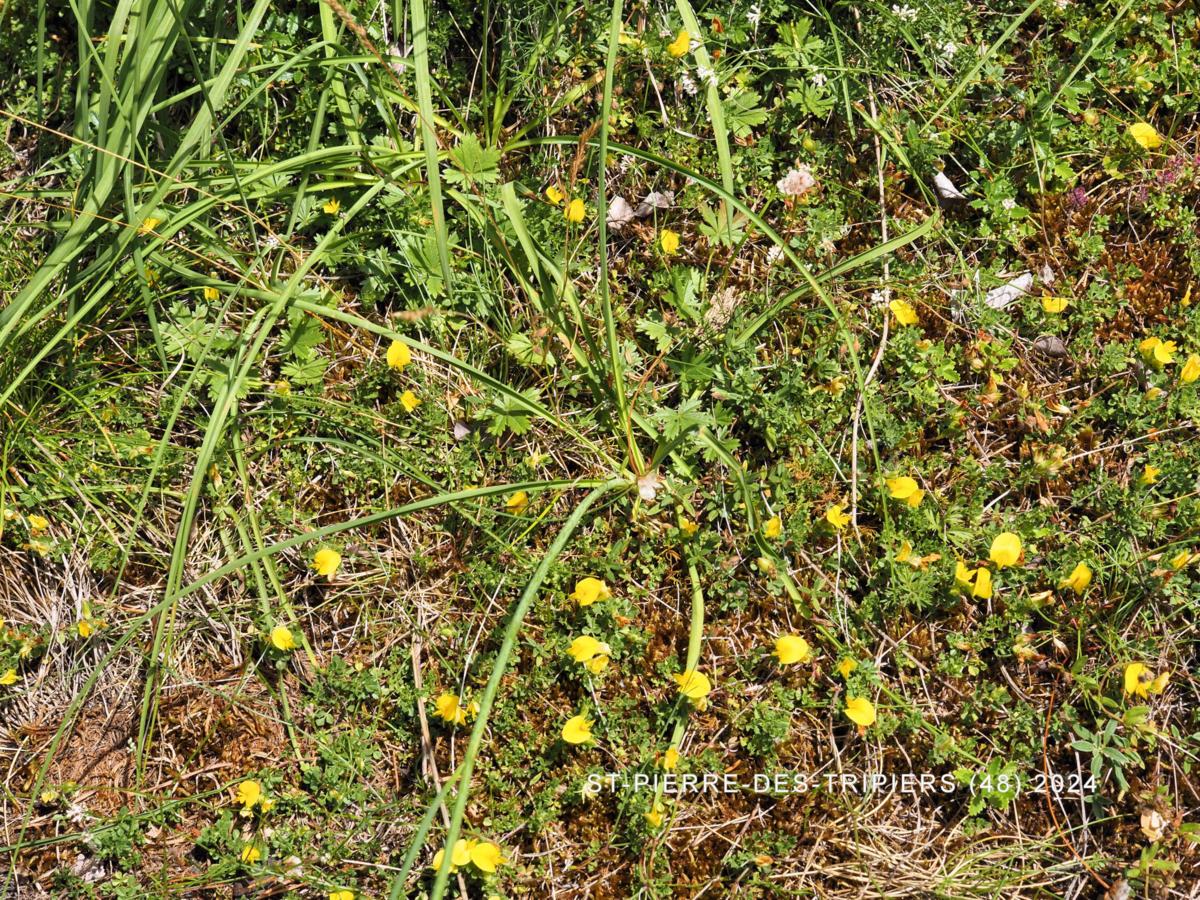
[[694, 685], [37, 524], [84, 627], [332, 205], [211, 294], [575, 211], [341, 895], [517, 503], [9, 677], [451, 709], [554, 195], [1181, 559], [486, 856], [282, 639], [906, 489], [589, 590], [1079, 579], [687, 526], [149, 224], [846, 666], [1191, 369], [680, 45], [251, 854], [983, 584], [459, 856], [1138, 680], [670, 760], [1054, 305], [398, 354], [249, 793], [773, 528], [1160, 683], [655, 815], [860, 711], [326, 562], [837, 517], [578, 730], [904, 312], [1146, 135], [791, 649], [1006, 550], [669, 241], [963, 577], [409, 401], [1157, 352], [1149, 475], [590, 653]]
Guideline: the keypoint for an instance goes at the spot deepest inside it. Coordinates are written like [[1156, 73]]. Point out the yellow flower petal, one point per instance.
[[1054, 305], [1138, 679], [487, 856], [773, 528], [1149, 475], [459, 856], [8, 678], [398, 354], [589, 590], [249, 793], [860, 711], [983, 584], [680, 46], [251, 854], [326, 561], [1006, 550], [670, 760], [906, 489], [904, 312], [332, 205], [282, 639], [517, 503], [1191, 369], [409, 401], [554, 195], [590, 653], [846, 666], [1079, 579], [37, 524], [837, 517], [693, 684], [578, 730], [669, 241], [341, 895], [791, 649], [575, 212], [450, 709], [1146, 135]]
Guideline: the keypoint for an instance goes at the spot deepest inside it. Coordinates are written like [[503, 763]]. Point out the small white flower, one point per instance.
[[774, 254], [796, 183], [818, 79], [904, 13], [1008, 203], [881, 296], [688, 85], [755, 15], [648, 486], [707, 75], [949, 49]]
